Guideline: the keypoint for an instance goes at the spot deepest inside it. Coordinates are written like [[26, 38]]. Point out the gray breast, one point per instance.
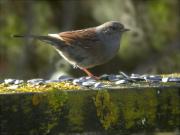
[[111, 43]]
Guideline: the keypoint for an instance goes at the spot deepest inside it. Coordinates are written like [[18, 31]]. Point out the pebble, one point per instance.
[[83, 79], [136, 77], [121, 82], [79, 80], [174, 80], [37, 81], [115, 77], [98, 85], [18, 82], [89, 78], [152, 78], [9, 81], [124, 75], [88, 83], [111, 77], [165, 79], [64, 78]]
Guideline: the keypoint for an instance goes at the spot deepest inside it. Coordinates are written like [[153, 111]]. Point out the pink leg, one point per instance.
[[89, 73]]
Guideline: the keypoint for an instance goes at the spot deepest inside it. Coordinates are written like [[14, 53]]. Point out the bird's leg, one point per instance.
[[89, 73]]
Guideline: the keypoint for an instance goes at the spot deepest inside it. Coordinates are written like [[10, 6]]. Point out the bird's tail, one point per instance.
[[48, 39]]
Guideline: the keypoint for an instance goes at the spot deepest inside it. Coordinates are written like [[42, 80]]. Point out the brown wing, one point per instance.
[[86, 38]]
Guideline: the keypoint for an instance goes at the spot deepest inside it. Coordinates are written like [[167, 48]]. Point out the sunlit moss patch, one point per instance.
[[171, 75], [106, 109], [25, 87]]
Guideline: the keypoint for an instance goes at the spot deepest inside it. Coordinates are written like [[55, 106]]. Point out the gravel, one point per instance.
[[118, 79], [82, 80], [165, 79], [98, 85], [121, 82], [174, 80], [152, 78], [9, 81], [88, 83], [18, 82], [137, 77], [37, 81]]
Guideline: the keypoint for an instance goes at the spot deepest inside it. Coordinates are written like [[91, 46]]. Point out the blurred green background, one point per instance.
[[152, 45]]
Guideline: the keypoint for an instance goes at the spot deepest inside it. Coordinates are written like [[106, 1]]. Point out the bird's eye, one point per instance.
[[113, 28]]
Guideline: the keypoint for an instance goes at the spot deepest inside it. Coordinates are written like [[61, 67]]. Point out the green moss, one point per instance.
[[121, 111], [106, 109], [36, 100], [56, 99], [135, 105], [50, 104], [75, 114]]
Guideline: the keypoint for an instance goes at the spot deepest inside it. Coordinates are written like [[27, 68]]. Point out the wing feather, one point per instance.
[[86, 38]]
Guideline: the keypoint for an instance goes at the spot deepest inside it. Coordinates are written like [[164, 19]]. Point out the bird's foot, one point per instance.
[[90, 74]]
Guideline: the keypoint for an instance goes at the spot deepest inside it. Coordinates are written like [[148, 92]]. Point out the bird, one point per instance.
[[85, 48]]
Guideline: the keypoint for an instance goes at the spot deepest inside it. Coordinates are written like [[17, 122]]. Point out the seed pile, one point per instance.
[[106, 82]]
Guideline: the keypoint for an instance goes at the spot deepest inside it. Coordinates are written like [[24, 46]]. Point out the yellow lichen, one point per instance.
[[171, 75], [36, 99], [106, 109], [25, 87]]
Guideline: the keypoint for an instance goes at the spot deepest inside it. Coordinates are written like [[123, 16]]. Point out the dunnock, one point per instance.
[[86, 48]]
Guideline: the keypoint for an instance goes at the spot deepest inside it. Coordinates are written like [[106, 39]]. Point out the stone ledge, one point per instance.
[[103, 111], [117, 106]]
